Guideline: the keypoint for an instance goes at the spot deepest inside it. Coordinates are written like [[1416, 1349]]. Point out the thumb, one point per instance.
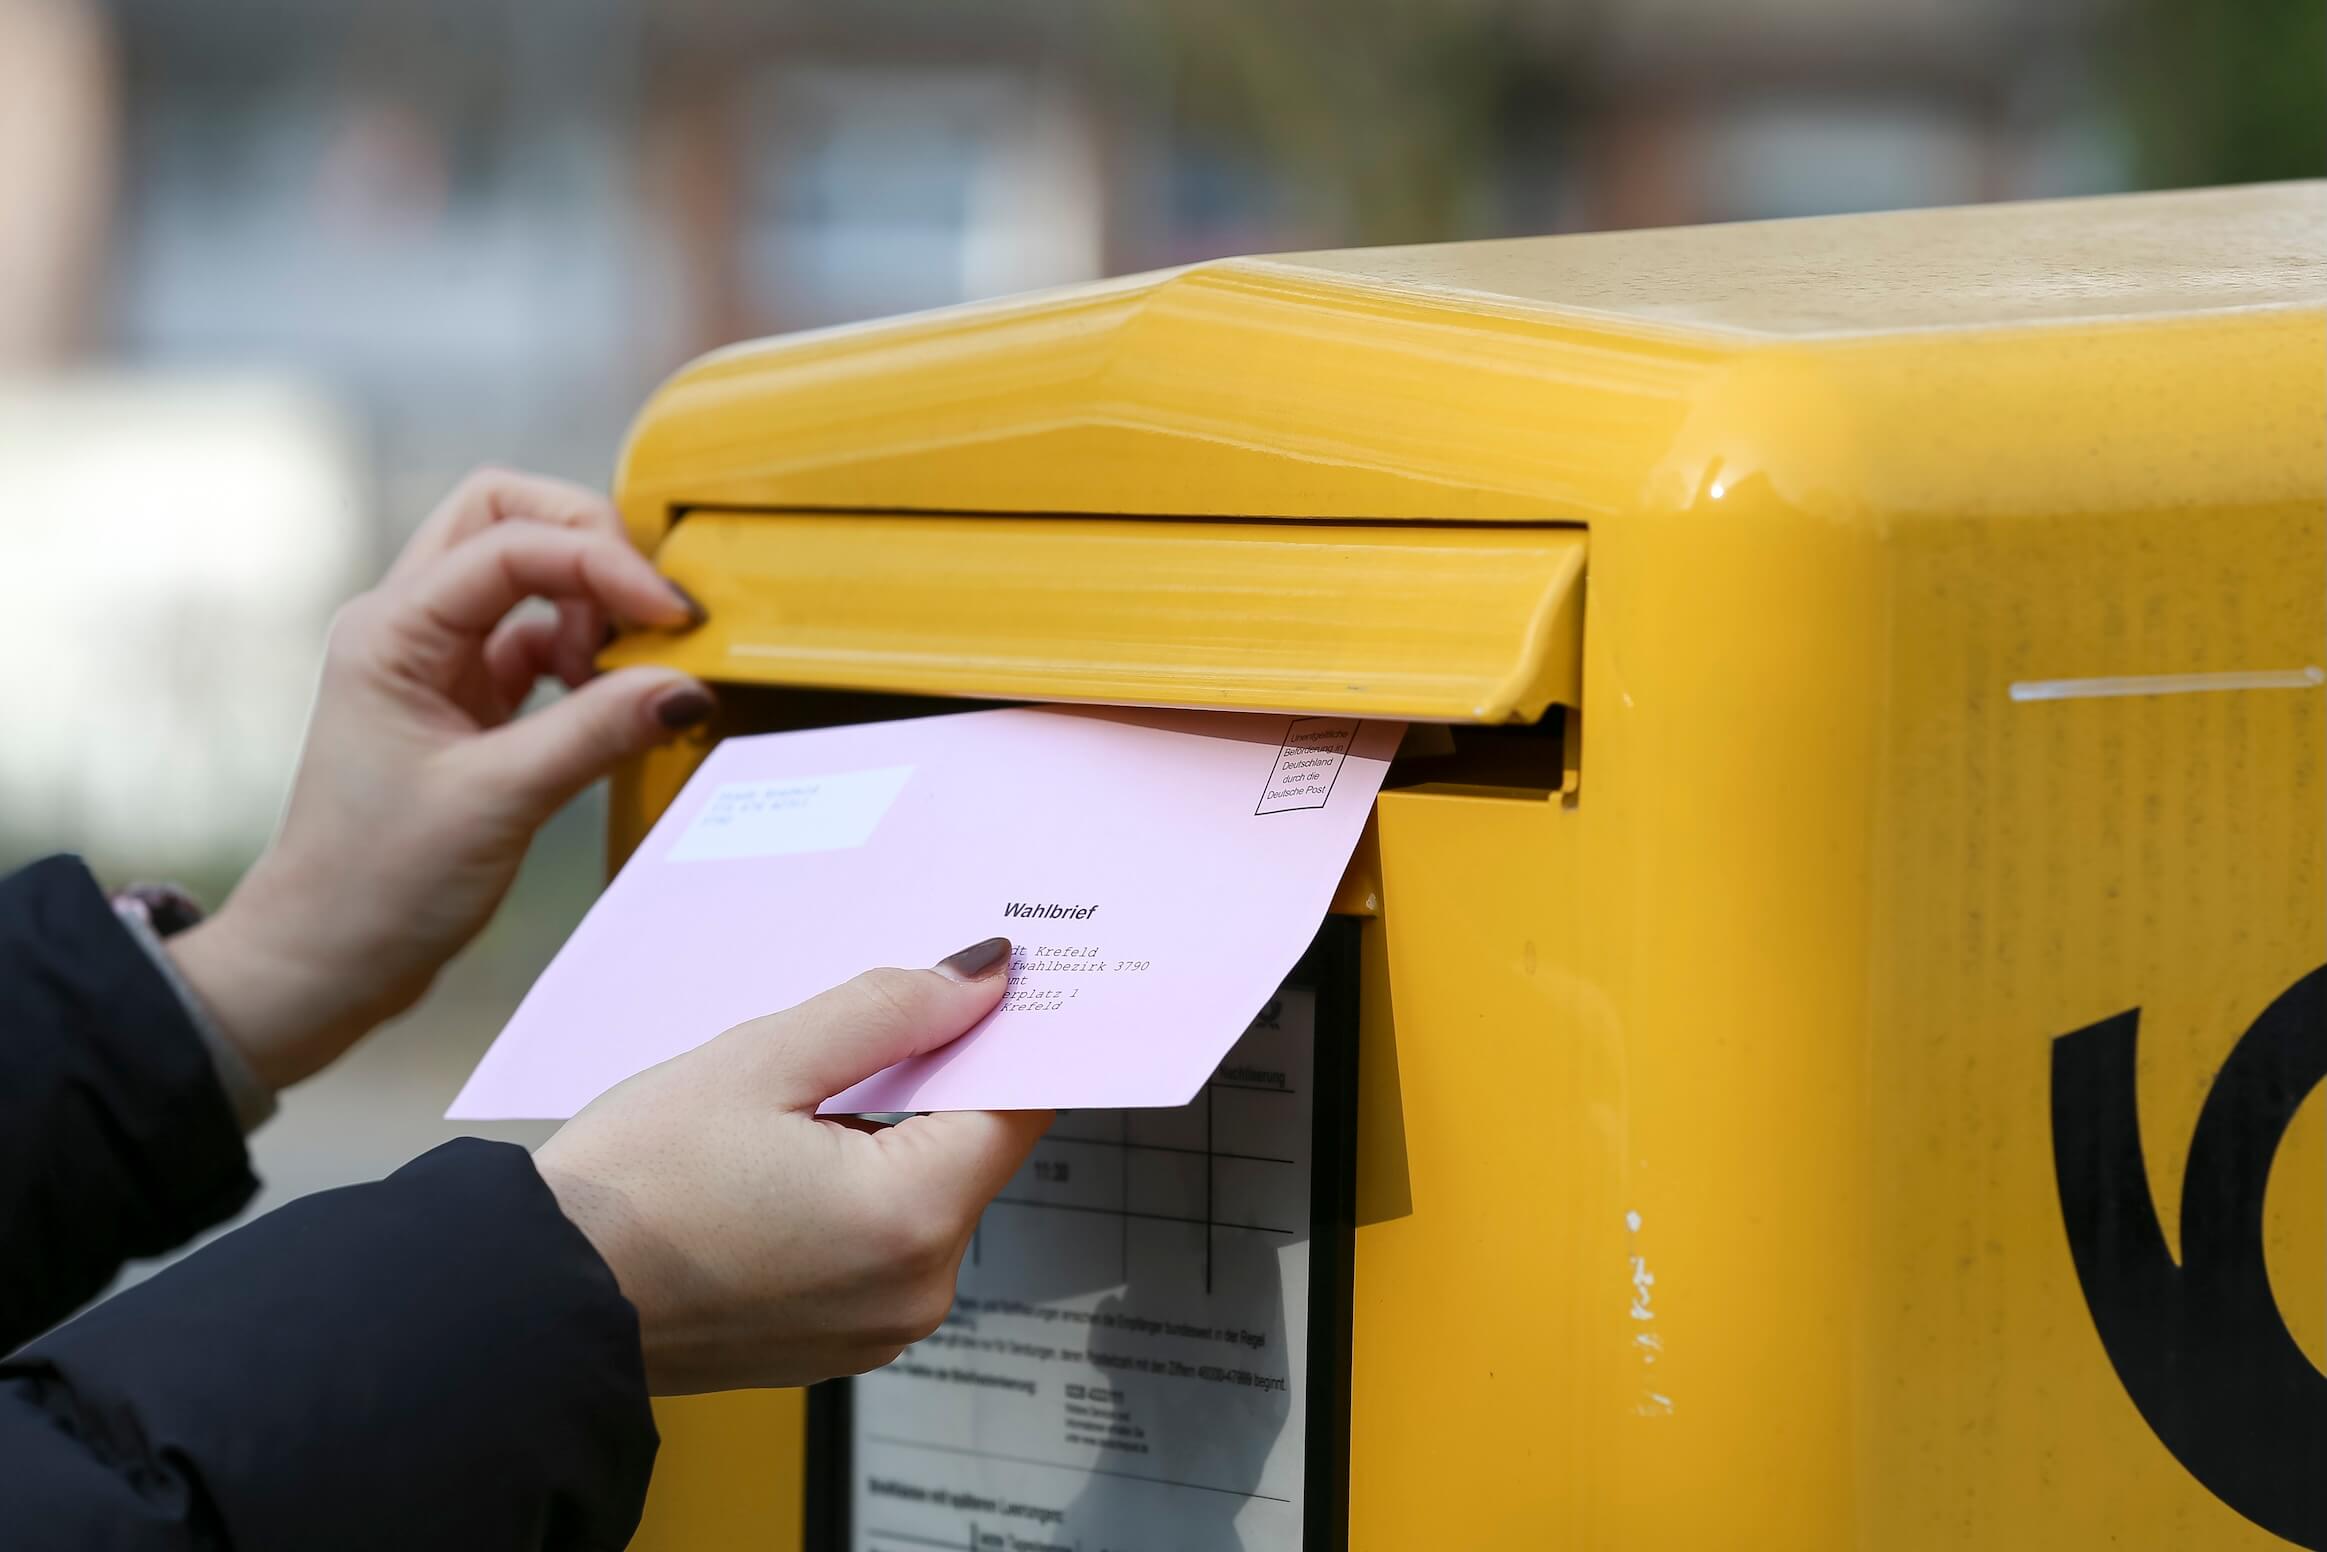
[[877, 1020], [964, 1157], [548, 756]]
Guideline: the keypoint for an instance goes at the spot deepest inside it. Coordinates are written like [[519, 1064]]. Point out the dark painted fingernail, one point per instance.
[[685, 709], [977, 961], [696, 613]]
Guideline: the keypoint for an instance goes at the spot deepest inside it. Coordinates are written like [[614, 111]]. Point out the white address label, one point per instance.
[[789, 816]]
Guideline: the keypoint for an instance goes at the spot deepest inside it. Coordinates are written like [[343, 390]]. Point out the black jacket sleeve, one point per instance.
[[436, 1360], [115, 1138]]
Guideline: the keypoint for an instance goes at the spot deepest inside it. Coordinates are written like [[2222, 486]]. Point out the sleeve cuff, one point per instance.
[[252, 1100], [439, 1359]]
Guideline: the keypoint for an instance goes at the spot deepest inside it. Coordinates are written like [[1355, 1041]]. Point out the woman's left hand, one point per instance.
[[419, 786]]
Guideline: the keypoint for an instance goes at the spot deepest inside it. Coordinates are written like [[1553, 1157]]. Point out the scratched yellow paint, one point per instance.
[[1743, 1046]]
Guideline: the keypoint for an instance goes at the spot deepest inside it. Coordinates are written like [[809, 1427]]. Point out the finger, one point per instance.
[[489, 495], [541, 760], [581, 632], [875, 1021], [462, 595], [520, 651], [961, 1158]]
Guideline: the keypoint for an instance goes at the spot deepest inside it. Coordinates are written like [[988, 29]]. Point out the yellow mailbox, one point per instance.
[[1837, 993]]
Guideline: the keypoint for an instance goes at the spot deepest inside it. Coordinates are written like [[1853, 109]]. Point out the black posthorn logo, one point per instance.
[[2201, 1346]]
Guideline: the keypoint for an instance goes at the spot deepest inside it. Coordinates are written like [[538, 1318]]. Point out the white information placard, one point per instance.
[[1126, 1365]]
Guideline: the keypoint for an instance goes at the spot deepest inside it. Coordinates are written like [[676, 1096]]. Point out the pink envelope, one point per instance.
[[1158, 871]]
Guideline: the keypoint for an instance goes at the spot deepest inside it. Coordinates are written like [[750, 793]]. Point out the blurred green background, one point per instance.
[[274, 273]]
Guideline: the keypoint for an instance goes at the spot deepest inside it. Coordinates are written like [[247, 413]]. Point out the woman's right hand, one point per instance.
[[763, 1245]]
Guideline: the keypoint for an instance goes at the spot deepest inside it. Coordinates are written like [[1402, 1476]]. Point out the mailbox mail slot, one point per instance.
[[1838, 1011]]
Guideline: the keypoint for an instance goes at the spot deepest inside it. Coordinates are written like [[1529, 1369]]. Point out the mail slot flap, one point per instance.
[[1425, 623]]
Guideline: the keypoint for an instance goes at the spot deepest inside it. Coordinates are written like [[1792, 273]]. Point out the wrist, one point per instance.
[[610, 1221], [267, 994], [251, 1097]]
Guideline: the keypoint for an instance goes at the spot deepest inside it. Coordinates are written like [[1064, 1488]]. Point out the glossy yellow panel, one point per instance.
[[1472, 1085], [727, 1477], [2044, 865], [1464, 624]]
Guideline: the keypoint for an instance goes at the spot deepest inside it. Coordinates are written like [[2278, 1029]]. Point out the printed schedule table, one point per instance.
[[1125, 1366]]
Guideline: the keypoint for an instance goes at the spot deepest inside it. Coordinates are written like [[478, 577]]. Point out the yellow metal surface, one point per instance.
[[1530, 380], [728, 1472], [1448, 624], [1953, 676]]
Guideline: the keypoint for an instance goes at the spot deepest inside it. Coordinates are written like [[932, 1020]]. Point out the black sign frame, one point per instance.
[[1329, 969]]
